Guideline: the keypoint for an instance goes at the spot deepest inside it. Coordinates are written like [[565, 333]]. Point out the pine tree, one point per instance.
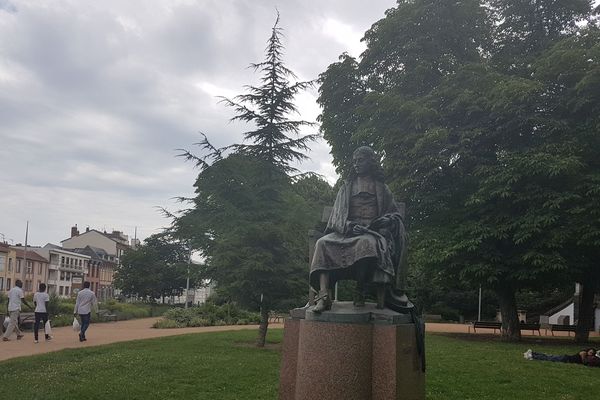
[[246, 216]]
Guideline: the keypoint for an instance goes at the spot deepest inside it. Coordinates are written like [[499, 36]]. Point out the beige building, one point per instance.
[[114, 244], [7, 261], [32, 274], [106, 252]]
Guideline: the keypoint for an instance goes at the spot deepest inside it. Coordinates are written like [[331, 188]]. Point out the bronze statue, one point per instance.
[[365, 239]]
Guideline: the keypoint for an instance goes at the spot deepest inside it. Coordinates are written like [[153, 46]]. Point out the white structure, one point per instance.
[[66, 270], [567, 311]]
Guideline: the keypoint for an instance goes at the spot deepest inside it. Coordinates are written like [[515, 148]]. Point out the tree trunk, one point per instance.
[[508, 310], [586, 313], [262, 329]]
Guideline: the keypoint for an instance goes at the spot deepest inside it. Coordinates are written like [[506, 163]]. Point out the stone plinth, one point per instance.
[[350, 353]]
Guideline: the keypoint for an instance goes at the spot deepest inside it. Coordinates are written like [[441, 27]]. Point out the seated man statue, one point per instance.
[[365, 239]]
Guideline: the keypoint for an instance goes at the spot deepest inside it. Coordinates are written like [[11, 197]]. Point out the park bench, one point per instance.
[[274, 318], [562, 328], [105, 315], [26, 320], [530, 327], [485, 325]]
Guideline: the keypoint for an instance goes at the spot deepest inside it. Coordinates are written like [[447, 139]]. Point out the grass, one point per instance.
[[225, 365]]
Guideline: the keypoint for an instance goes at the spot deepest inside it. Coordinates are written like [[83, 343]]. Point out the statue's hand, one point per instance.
[[379, 223], [359, 229]]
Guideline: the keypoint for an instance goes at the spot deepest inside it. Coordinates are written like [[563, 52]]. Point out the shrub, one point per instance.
[[166, 324], [210, 314]]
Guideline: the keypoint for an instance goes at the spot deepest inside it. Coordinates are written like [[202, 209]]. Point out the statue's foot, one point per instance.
[[322, 303], [359, 299], [380, 298]]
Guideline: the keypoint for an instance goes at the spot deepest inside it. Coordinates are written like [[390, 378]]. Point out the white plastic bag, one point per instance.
[[76, 326], [6, 322], [47, 328]]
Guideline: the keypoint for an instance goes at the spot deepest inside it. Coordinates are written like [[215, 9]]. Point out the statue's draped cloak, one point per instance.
[[340, 251]]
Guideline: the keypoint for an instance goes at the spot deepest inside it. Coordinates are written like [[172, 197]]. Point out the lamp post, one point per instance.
[[479, 310], [187, 281]]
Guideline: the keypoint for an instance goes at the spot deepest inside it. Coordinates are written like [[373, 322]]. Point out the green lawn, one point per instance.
[[226, 366]]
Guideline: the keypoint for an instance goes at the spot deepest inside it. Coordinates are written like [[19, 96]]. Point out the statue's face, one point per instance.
[[361, 163]]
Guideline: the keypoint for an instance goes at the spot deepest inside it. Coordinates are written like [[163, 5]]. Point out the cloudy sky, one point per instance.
[[96, 96]]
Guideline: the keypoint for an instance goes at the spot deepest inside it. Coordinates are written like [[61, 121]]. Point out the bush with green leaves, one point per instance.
[[208, 314]]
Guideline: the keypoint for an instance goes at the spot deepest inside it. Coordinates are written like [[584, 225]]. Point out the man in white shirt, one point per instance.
[[86, 300], [15, 297]]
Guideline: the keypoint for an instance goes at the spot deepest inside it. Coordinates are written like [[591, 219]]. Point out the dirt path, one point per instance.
[[112, 332]]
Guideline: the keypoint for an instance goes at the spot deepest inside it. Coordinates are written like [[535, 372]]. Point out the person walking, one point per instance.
[[41, 299], [86, 300], [15, 298]]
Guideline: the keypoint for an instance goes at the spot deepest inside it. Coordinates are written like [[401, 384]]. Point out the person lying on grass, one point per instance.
[[589, 357]]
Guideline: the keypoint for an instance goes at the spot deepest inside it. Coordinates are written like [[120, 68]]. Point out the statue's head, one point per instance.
[[364, 161]]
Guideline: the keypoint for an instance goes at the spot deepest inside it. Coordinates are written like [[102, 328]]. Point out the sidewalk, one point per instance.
[[102, 333], [112, 332]]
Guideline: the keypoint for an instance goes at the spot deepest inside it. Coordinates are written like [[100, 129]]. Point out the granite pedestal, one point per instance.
[[350, 353]]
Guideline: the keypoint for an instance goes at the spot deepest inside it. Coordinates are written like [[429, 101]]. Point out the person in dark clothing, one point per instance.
[[586, 357]]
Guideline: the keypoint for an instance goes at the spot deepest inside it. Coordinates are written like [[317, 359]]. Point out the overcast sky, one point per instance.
[[95, 96]]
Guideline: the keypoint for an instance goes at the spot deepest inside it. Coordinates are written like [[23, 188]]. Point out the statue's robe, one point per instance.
[[341, 252]]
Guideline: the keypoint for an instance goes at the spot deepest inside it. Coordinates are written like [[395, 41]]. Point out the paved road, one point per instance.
[[111, 332]]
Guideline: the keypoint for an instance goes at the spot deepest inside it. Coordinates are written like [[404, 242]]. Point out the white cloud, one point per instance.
[[95, 97]]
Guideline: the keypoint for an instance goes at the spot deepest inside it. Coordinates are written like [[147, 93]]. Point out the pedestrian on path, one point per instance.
[[86, 300], [15, 298], [41, 299]]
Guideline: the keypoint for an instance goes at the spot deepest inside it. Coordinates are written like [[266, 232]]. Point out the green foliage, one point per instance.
[[492, 147], [156, 269], [269, 107], [248, 210], [207, 315]]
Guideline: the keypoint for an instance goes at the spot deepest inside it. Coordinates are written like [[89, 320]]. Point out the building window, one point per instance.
[[29, 267], [9, 264], [62, 260], [62, 276], [8, 282], [18, 270], [39, 268], [60, 290], [2, 262], [1, 283]]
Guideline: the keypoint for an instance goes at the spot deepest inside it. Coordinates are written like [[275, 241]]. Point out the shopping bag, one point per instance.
[[6, 322], [47, 328], [76, 325]]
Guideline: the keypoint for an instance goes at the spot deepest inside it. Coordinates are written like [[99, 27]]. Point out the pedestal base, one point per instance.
[[350, 353]]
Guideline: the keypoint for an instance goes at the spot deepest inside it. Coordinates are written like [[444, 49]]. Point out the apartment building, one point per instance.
[[66, 269], [100, 272], [7, 257], [35, 272], [105, 251], [114, 243]]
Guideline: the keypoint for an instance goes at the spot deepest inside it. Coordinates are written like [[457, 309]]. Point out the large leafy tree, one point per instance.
[[247, 218], [483, 153], [156, 269]]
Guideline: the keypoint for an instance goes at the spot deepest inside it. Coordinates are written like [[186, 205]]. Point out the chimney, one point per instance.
[[87, 228], [74, 231]]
